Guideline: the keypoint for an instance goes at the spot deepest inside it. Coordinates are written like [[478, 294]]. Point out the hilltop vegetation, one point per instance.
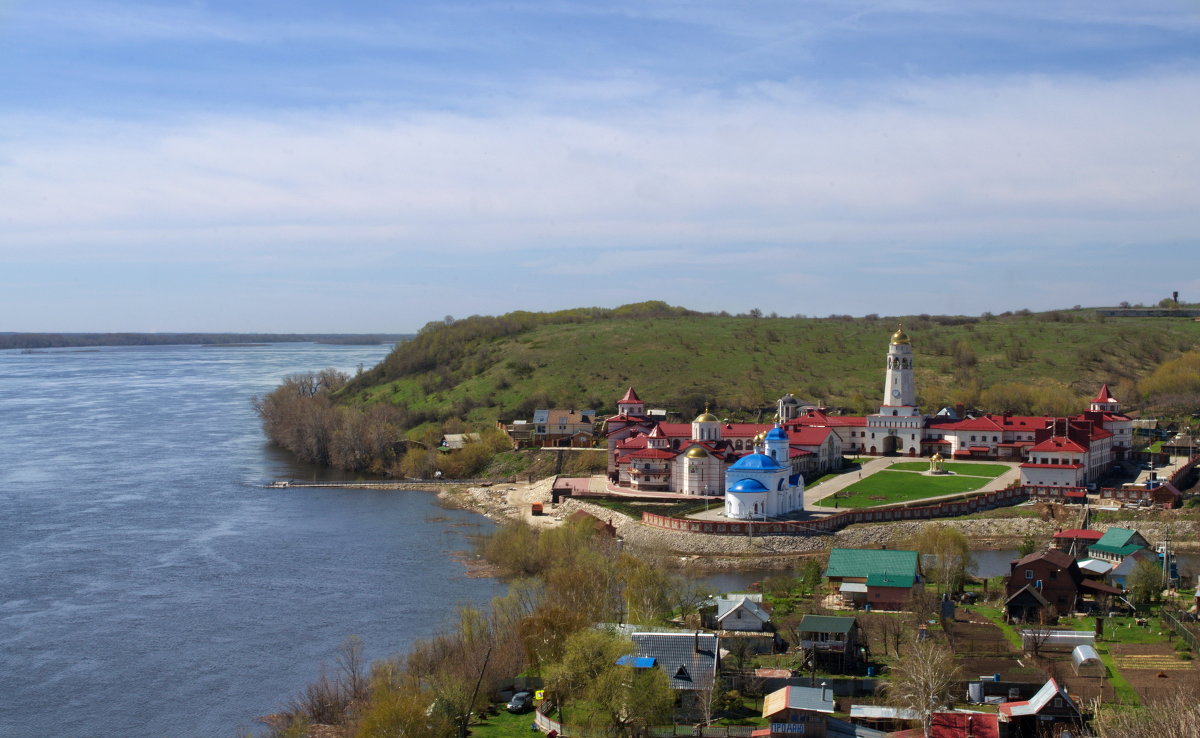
[[468, 374]]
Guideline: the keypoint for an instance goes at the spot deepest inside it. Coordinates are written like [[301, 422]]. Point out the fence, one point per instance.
[[1175, 622], [886, 514]]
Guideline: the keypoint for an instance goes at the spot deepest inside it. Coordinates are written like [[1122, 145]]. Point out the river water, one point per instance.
[[150, 586]]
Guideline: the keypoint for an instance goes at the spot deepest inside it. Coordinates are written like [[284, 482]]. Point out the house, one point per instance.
[[1046, 713], [892, 575], [740, 612], [1116, 544], [558, 427], [832, 640], [1076, 540], [1153, 491], [1046, 584], [797, 711], [1121, 571], [688, 659], [889, 591]]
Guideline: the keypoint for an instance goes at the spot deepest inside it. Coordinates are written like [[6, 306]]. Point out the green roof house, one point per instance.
[[855, 565], [1116, 544], [879, 579]]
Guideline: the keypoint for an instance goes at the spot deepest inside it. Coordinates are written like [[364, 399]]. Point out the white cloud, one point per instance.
[[1047, 161]]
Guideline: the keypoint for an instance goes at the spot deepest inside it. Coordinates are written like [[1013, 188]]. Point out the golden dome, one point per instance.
[[937, 456], [695, 452], [900, 336], [760, 438], [706, 417]]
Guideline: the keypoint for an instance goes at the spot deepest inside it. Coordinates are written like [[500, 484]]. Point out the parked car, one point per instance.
[[520, 702]]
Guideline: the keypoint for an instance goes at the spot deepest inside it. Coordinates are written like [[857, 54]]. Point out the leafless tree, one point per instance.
[[894, 632], [923, 681], [1033, 639]]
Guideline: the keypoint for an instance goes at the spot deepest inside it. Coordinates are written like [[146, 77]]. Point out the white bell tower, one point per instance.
[[899, 392]]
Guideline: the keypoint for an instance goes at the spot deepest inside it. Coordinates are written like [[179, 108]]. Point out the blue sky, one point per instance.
[[369, 166]]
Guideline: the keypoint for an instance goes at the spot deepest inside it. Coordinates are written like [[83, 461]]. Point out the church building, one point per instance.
[[767, 462]]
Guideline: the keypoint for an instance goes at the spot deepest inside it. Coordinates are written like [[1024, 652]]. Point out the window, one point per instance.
[[683, 673], [1029, 573]]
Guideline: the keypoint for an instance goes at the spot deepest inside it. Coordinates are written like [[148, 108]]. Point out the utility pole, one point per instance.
[[466, 717]]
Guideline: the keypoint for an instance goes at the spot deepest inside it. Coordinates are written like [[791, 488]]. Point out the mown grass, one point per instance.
[[504, 725], [991, 471], [888, 487]]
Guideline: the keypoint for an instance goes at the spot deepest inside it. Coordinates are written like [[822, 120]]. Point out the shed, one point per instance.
[[1087, 662]]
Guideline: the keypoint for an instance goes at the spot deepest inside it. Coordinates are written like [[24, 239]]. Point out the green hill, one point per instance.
[[473, 372], [483, 369]]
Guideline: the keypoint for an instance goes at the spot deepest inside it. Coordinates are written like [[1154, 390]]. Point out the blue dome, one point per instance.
[[756, 462], [747, 485], [777, 434]]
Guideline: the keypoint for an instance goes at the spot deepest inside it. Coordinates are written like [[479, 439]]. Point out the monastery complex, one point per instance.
[[759, 468]]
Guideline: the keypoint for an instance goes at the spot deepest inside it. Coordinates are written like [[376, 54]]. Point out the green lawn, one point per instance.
[[991, 471], [504, 725], [890, 487]]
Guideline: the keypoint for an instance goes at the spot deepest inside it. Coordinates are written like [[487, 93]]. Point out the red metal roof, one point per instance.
[[984, 423], [964, 724], [1102, 395], [818, 418], [1085, 534], [630, 398], [1059, 444], [652, 453], [808, 435]]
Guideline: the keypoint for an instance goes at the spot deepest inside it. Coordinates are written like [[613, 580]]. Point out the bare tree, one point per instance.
[[1033, 639], [894, 632], [924, 680]]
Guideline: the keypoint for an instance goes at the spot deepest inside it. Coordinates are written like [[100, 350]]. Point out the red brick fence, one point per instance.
[[943, 509]]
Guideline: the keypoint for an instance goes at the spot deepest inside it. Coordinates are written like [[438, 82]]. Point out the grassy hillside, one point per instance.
[[484, 369]]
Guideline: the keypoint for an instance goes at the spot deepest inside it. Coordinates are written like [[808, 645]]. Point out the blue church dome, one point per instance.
[[747, 485], [756, 462], [777, 434]]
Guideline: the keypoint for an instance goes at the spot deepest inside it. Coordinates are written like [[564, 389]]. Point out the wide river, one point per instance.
[[149, 584]]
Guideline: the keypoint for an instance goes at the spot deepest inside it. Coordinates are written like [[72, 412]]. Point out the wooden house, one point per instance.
[[797, 711], [1046, 584]]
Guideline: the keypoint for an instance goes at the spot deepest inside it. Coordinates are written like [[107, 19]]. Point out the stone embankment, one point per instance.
[[701, 551]]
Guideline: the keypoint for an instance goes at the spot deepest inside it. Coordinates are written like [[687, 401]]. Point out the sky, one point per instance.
[[302, 166]]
